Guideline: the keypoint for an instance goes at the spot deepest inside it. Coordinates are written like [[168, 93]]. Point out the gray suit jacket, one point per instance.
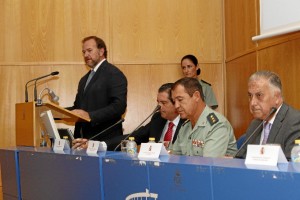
[[285, 130]]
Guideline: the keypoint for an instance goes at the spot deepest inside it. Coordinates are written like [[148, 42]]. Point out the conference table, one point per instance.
[[42, 174]]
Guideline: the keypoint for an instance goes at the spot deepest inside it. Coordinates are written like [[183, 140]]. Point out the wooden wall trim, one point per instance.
[[39, 63], [240, 54], [265, 44], [115, 63]]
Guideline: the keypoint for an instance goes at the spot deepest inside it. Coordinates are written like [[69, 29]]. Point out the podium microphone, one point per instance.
[[273, 110], [53, 97], [35, 92], [118, 122], [154, 111]]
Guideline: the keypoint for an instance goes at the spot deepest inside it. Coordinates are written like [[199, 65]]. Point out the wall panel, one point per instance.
[[162, 31], [240, 26], [145, 39], [49, 30], [238, 72], [285, 61]]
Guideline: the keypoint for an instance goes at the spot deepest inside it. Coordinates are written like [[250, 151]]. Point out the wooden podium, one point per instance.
[[28, 128]]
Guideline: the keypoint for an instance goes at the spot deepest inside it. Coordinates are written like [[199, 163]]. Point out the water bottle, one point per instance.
[[43, 142], [67, 140], [295, 153], [131, 147], [151, 140]]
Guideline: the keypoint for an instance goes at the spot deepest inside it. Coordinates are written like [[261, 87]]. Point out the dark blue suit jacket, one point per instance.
[[105, 99]]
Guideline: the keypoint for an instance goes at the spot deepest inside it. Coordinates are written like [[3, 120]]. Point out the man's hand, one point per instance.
[[81, 113], [80, 143]]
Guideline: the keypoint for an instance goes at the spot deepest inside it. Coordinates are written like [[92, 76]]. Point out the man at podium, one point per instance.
[[101, 94]]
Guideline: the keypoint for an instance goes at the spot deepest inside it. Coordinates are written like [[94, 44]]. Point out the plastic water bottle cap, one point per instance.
[[297, 141], [131, 138]]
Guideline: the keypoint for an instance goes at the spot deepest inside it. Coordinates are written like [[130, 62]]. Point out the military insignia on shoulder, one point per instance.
[[206, 82], [212, 118]]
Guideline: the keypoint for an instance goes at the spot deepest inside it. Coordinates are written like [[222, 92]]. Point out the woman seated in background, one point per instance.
[[190, 68]]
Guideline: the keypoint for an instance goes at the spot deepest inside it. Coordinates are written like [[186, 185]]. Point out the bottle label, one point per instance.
[[296, 159], [132, 151]]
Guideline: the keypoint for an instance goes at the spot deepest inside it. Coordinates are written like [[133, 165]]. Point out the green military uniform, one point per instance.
[[209, 96], [212, 136]]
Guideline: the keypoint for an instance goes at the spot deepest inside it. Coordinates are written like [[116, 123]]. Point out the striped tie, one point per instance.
[[169, 133], [267, 128]]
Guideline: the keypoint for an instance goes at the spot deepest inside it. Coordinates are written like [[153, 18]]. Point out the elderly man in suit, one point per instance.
[[282, 127]]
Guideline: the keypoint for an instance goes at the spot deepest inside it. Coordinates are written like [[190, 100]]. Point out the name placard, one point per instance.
[[152, 151], [94, 147], [264, 155], [60, 145]]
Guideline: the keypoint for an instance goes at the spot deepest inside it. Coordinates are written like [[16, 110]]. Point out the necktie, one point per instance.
[[168, 135], [89, 78], [267, 128]]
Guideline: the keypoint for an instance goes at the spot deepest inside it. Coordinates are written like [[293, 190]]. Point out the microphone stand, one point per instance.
[[118, 122], [273, 110], [154, 111], [35, 89], [53, 97], [36, 79]]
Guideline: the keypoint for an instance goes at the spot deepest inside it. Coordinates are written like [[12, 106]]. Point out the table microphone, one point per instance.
[[118, 122], [273, 110], [154, 111], [35, 92]]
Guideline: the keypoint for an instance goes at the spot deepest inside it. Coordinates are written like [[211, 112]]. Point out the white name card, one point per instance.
[[152, 151], [94, 147], [268, 155], [60, 145]]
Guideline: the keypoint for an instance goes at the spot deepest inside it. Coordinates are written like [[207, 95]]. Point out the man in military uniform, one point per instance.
[[206, 132]]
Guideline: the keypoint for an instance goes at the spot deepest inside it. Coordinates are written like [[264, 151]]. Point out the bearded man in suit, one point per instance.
[[101, 95]]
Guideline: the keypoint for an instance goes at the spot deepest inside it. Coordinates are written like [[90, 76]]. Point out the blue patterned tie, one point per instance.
[[267, 128]]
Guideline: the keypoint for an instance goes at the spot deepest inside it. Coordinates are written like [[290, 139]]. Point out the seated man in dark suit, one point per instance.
[[157, 127], [265, 92]]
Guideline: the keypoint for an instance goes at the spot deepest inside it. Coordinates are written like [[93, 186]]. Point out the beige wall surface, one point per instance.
[[163, 31], [145, 39], [283, 58]]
